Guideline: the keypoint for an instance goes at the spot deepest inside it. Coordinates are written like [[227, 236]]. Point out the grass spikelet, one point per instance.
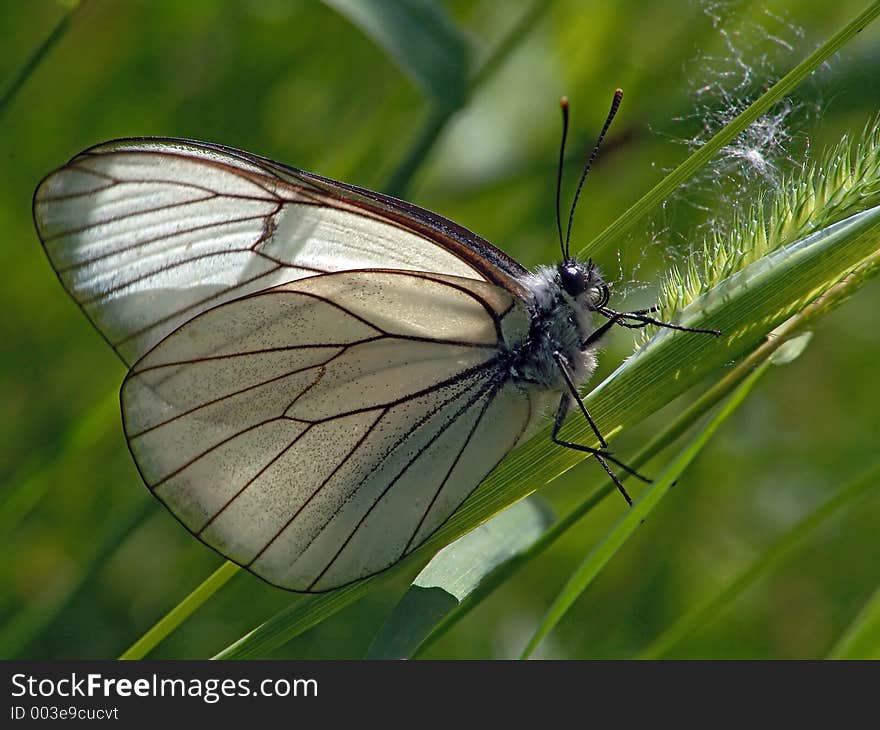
[[844, 181]]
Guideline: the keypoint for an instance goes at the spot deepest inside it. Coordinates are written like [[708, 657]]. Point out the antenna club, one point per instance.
[[563, 105], [615, 103]]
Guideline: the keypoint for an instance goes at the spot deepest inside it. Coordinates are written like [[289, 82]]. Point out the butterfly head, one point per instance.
[[583, 283]]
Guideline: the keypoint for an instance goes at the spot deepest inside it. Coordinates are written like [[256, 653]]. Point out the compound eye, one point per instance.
[[573, 280]]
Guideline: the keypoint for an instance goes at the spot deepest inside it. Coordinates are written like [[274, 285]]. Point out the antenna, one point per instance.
[[563, 103], [615, 103]]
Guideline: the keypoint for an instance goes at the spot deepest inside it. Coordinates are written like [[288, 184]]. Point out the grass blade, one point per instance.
[[438, 119], [422, 40], [181, 612], [455, 573], [779, 341], [625, 527], [649, 202], [41, 51], [770, 559], [862, 639], [300, 616], [747, 306]]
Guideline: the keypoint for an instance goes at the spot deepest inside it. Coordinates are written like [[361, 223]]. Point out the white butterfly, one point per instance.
[[320, 374]]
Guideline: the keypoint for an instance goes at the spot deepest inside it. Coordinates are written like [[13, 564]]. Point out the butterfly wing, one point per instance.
[[146, 233], [319, 431]]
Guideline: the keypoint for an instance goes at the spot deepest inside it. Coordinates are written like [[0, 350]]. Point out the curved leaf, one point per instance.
[[421, 38], [455, 573]]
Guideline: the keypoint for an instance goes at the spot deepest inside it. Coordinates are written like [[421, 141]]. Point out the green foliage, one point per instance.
[[770, 559], [844, 181], [29, 66], [181, 612], [455, 573], [87, 572], [861, 640], [422, 40], [629, 523]]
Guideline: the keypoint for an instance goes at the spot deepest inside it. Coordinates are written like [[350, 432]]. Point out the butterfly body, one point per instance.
[[320, 375], [561, 322]]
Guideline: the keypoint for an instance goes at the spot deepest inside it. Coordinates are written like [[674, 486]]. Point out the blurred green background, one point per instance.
[[90, 562]]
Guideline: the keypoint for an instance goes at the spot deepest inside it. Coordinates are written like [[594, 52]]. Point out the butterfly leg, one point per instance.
[[602, 456], [643, 320], [598, 334], [637, 319]]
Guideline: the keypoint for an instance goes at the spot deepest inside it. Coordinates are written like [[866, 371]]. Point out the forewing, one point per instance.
[[146, 233], [319, 431]]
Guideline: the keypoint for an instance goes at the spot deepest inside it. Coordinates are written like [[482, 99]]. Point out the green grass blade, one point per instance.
[[439, 117], [745, 307], [30, 65], [297, 618], [422, 40], [778, 342], [627, 525], [455, 573], [649, 202], [432, 128], [770, 559], [842, 181], [181, 612], [862, 639]]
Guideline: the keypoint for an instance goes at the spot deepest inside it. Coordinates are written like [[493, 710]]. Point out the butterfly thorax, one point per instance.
[[563, 301]]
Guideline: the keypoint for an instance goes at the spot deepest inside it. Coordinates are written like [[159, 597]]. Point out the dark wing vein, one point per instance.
[[233, 394], [478, 395], [253, 479], [451, 468], [390, 450], [323, 483], [229, 175]]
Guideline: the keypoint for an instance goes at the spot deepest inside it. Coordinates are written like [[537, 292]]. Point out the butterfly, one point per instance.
[[319, 374]]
